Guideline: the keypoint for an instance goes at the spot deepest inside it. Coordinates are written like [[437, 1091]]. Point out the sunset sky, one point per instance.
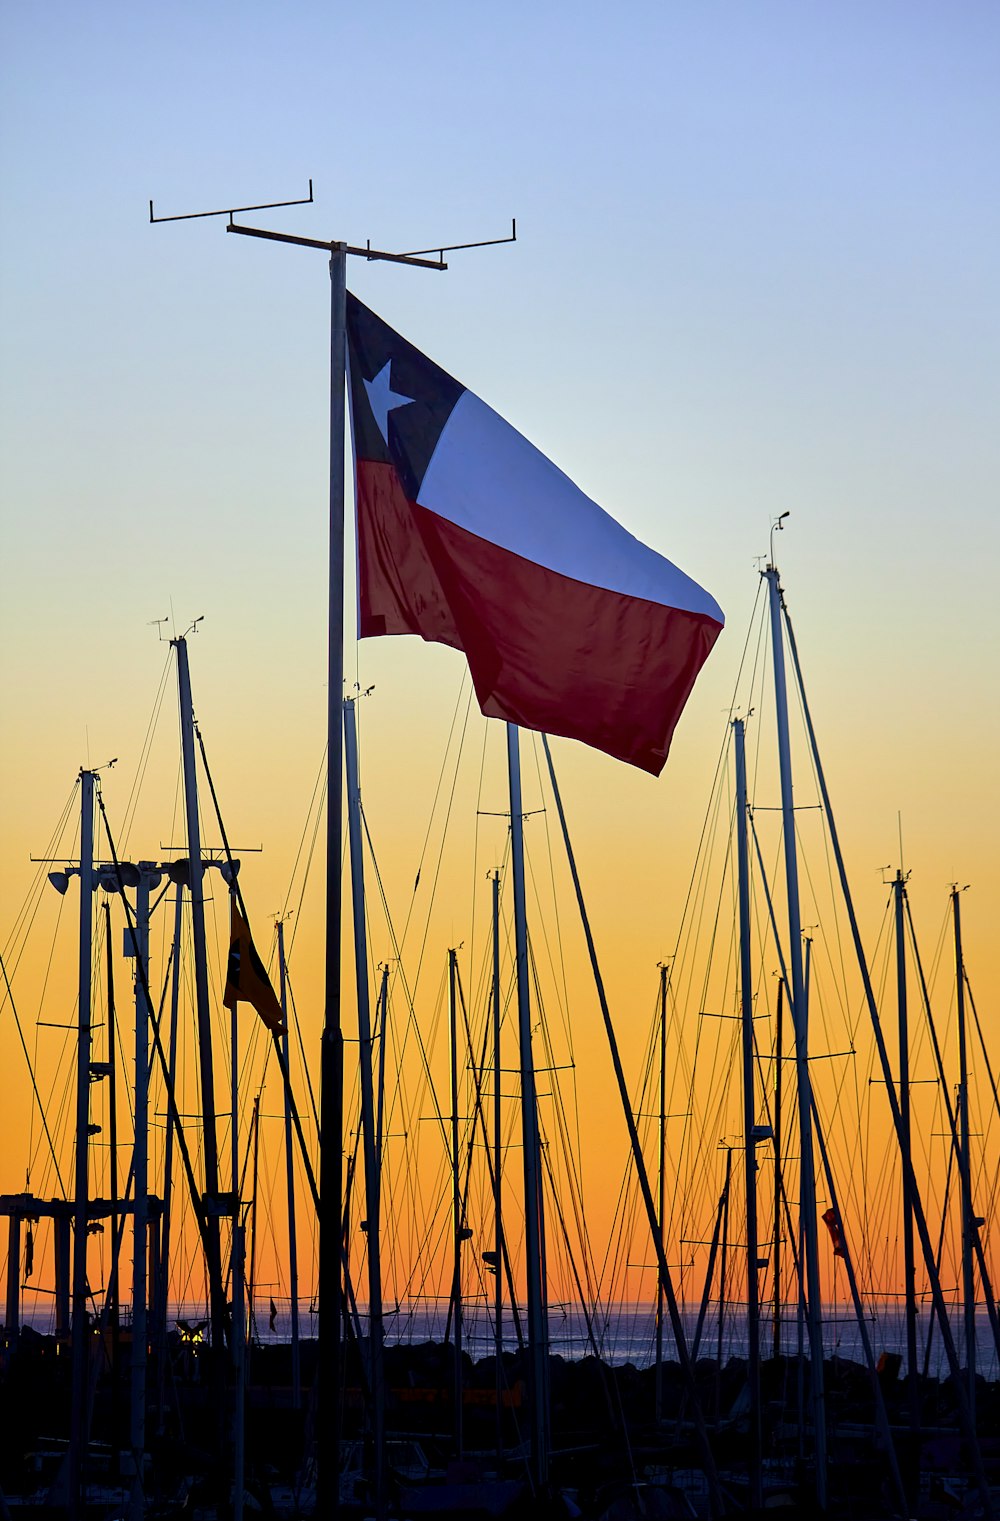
[[756, 272]]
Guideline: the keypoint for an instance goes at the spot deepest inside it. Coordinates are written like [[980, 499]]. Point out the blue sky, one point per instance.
[[756, 271]]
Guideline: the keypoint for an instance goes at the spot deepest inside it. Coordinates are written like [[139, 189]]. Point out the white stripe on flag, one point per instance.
[[486, 477]]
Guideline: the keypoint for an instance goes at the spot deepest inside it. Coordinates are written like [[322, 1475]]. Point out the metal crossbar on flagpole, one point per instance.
[[332, 1049], [230, 212]]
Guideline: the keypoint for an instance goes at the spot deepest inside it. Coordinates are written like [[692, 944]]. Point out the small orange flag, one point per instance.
[[830, 1221], [246, 979]]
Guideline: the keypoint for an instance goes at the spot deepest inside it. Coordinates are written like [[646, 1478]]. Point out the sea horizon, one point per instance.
[[620, 1334]]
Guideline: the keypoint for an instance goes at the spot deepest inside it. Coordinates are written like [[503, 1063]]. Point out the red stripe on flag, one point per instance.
[[398, 588], [545, 651]]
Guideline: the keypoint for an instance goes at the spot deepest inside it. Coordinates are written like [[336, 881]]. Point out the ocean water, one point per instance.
[[622, 1333], [627, 1333]]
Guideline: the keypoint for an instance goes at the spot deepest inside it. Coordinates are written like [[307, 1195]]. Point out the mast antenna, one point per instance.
[[777, 526]]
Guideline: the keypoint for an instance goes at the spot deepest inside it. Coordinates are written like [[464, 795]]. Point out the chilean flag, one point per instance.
[[468, 536]]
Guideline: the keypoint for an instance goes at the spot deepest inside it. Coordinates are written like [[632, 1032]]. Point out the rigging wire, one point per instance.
[[434, 803], [31, 1074], [132, 802], [317, 801]]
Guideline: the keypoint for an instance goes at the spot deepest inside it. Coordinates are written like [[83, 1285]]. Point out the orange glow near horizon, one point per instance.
[[436, 839]]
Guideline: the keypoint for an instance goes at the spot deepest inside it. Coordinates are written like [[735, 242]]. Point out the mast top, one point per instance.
[[777, 526], [417, 257]]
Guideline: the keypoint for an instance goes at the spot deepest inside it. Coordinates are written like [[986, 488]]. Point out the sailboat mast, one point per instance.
[[706, 1288], [661, 1203], [195, 884], [778, 1060], [114, 1291], [749, 1135], [81, 1201], [251, 1282], [984, 1276], [293, 1256], [968, 1222], [534, 1223], [456, 1200], [372, 1196], [140, 1164], [909, 1262], [800, 1021], [497, 1162], [234, 1129], [716, 1502], [383, 1019], [163, 1276], [239, 1365], [723, 1276]]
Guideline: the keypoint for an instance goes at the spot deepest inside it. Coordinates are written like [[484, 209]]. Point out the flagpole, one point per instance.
[[331, 1185], [330, 1293]]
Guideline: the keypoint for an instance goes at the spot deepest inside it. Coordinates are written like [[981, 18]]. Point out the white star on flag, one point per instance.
[[383, 399]]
